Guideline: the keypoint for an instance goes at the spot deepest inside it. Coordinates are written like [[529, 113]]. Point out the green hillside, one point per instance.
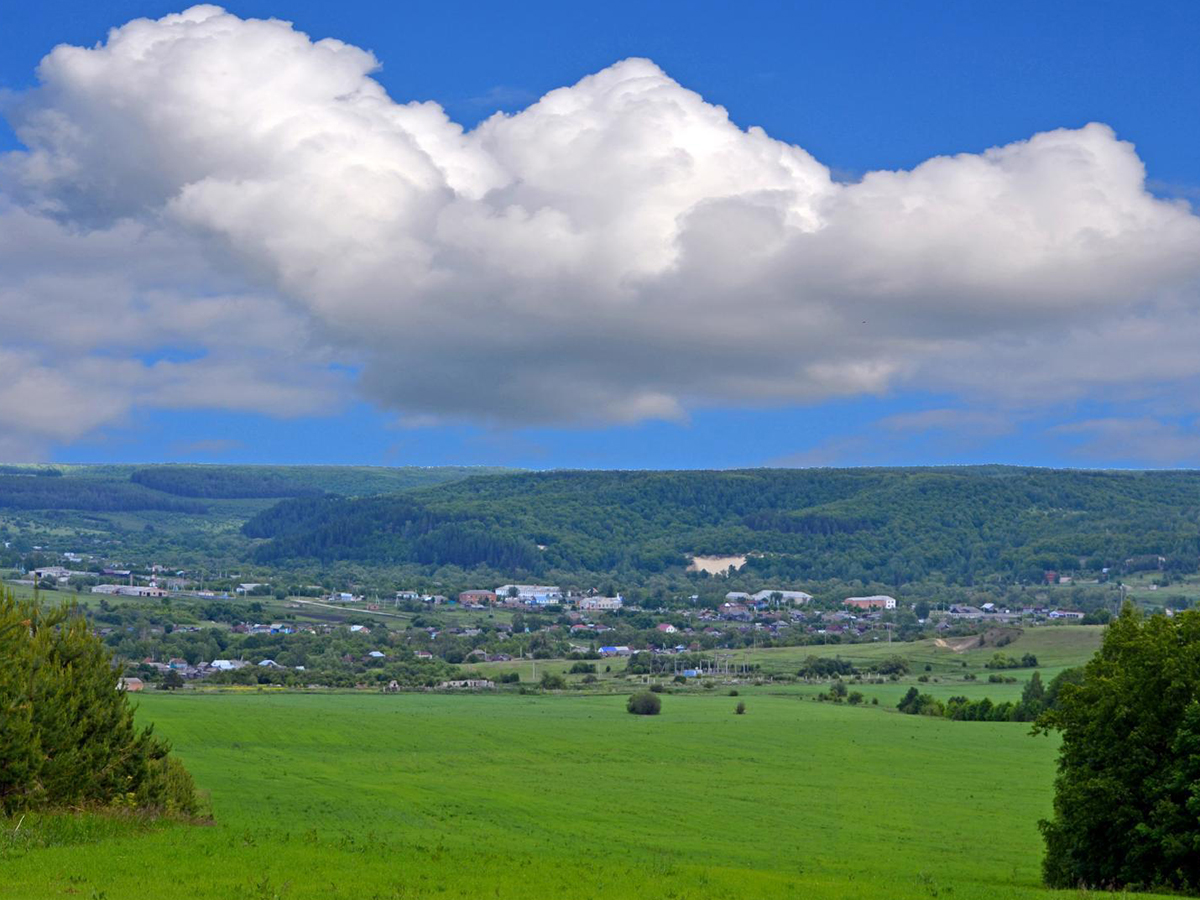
[[890, 526]]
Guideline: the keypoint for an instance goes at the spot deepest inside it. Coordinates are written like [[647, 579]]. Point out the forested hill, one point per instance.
[[886, 525]]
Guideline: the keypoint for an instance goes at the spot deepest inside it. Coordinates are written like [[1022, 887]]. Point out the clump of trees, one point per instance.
[[1004, 661], [644, 703], [1127, 794], [67, 735], [1035, 699]]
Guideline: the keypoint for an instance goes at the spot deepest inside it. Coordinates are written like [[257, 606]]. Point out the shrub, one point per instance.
[[838, 690], [680, 679], [733, 692], [590, 679], [740, 709], [552, 682], [582, 668], [923, 678], [855, 698], [657, 688], [644, 704], [874, 701]]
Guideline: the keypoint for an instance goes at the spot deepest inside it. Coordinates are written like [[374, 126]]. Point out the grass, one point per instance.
[[359, 795]]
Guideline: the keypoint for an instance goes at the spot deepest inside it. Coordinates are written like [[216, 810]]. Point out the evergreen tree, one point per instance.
[[67, 734]]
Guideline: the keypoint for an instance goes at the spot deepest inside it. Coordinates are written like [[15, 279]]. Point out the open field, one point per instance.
[[1055, 646], [416, 795]]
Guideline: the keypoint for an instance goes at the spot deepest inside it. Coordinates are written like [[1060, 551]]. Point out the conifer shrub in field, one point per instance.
[[1127, 794], [67, 735], [740, 709], [644, 703]]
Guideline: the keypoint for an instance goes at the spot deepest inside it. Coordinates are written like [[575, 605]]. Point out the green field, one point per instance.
[[418, 795]]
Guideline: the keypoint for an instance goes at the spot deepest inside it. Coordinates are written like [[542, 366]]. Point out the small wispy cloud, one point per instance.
[[1135, 440]]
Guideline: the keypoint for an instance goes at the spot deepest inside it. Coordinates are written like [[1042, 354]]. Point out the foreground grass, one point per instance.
[[382, 796]]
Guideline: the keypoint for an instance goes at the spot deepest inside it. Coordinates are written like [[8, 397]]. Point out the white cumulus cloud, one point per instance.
[[618, 250]]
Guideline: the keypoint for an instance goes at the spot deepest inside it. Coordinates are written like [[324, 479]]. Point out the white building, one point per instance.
[[533, 594], [768, 596], [129, 590], [601, 604]]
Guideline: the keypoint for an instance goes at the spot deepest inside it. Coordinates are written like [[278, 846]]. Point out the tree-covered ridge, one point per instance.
[[885, 525], [386, 530], [220, 482], [95, 495]]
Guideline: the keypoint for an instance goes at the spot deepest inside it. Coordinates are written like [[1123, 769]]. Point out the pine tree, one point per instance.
[[67, 734]]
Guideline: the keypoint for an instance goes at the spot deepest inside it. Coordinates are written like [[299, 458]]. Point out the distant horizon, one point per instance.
[[531, 470]]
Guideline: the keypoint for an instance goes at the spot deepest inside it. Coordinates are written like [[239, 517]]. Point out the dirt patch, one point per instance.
[[716, 565], [993, 637]]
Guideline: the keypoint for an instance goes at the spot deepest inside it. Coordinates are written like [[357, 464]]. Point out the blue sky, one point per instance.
[[860, 86]]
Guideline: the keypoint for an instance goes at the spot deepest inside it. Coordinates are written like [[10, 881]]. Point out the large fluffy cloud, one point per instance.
[[619, 250]]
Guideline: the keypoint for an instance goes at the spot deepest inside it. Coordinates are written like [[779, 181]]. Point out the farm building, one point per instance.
[[533, 594], [486, 598], [770, 595], [600, 604], [130, 684], [875, 601]]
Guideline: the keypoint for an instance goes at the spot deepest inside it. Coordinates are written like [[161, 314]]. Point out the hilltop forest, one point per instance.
[[887, 527]]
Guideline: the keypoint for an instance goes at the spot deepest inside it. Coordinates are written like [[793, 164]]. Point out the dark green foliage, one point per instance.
[[1004, 661], [552, 682], [644, 704], [583, 668], [96, 495], [740, 709], [855, 698], [67, 736], [1127, 795], [894, 665], [219, 482], [917, 704], [390, 529], [825, 667], [892, 526]]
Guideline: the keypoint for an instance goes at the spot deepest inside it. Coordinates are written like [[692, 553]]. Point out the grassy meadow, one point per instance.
[[358, 795]]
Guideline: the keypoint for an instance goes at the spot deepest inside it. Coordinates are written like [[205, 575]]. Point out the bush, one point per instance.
[[551, 682], [644, 704], [679, 679], [733, 692], [657, 688], [582, 668], [590, 679], [740, 709], [855, 698], [509, 678]]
